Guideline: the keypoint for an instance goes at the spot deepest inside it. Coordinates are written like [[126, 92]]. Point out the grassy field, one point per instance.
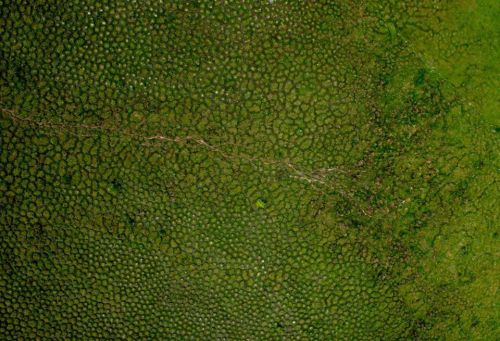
[[249, 170]]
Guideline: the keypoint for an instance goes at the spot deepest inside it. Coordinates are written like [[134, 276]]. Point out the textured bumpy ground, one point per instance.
[[249, 170]]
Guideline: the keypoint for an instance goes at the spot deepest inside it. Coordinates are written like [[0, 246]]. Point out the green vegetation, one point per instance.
[[249, 170]]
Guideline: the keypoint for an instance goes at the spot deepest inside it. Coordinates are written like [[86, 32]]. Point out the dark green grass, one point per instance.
[[285, 170]]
